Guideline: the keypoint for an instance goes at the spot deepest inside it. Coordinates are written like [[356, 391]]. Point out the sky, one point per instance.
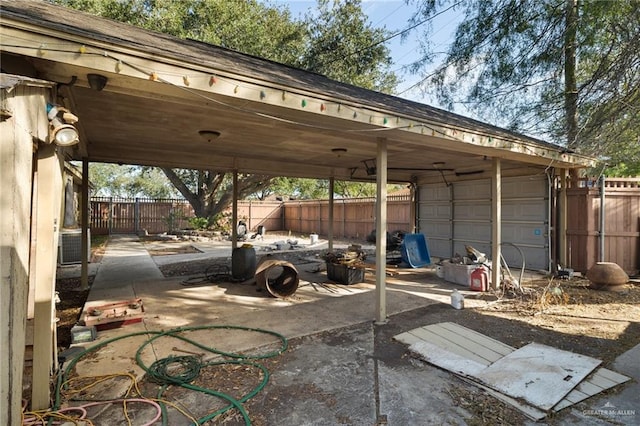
[[394, 15]]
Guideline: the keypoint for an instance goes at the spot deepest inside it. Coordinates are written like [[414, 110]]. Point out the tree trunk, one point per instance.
[[571, 90]]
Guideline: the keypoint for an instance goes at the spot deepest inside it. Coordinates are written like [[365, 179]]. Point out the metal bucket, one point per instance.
[[278, 277]]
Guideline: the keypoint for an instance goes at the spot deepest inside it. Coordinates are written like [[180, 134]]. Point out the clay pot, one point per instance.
[[607, 276]]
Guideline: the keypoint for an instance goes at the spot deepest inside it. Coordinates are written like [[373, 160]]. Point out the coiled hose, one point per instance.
[[190, 367]]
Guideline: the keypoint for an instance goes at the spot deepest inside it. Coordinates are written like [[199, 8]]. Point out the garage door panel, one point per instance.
[[433, 192], [474, 211], [472, 190], [535, 258], [525, 187], [439, 247], [436, 211], [432, 229], [524, 233], [473, 231], [524, 210]]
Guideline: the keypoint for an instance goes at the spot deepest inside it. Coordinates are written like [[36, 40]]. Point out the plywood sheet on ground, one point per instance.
[[467, 353], [539, 374]]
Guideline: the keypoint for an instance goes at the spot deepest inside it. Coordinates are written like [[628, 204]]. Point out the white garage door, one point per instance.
[[453, 216]]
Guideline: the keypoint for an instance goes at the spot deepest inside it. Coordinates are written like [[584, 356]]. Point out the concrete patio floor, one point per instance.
[[340, 351]]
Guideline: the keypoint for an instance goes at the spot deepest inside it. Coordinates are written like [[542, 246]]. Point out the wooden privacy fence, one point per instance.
[[352, 217], [112, 215], [621, 223]]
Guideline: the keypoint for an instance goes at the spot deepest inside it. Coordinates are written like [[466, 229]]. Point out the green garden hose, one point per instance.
[[190, 366]]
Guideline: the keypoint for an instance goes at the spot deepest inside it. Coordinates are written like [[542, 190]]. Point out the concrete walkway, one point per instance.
[[125, 262]]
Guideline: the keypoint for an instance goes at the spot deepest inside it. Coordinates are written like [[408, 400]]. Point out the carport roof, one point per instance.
[[271, 119]]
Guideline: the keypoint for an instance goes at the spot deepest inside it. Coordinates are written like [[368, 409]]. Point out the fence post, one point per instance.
[[136, 216], [110, 215]]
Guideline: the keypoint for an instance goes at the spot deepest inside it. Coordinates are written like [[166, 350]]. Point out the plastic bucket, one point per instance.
[[313, 238]]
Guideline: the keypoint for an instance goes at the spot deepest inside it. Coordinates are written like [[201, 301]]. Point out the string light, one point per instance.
[[42, 50]]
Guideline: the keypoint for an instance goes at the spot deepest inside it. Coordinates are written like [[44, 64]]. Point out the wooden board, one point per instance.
[[115, 314], [601, 380], [538, 374]]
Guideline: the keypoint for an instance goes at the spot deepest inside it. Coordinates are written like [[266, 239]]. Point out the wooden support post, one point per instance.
[[16, 164], [496, 223], [381, 231], [234, 212], [561, 226], [84, 219], [46, 234], [331, 205]]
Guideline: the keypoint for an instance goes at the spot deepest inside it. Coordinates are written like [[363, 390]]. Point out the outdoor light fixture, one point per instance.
[[339, 151], [209, 135], [61, 129], [370, 167], [97, 81]]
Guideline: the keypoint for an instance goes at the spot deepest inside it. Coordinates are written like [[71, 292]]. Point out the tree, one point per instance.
[[566, 71], [344, 47], [125, 181], [254, 28]]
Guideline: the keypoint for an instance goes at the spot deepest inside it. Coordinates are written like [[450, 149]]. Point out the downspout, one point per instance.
[[602, 217], [414, 207]]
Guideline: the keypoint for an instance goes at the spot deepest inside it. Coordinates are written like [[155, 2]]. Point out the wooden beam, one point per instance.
[[46, 233], [496, 222], [381, 231]]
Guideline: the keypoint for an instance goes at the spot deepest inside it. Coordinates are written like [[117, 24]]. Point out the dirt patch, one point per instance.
[[178, 249], [68, 310]]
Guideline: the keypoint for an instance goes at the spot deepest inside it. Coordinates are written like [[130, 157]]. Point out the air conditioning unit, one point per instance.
[[70, 246]]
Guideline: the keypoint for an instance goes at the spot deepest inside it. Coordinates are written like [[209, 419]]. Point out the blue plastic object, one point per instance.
[[414, 250]]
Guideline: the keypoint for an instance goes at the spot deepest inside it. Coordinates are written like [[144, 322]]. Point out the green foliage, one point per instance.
[[173, 219], [198, 223], [113, 180], [343, 46], [507, 64]]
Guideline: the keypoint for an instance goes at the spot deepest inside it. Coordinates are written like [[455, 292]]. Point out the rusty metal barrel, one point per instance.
[[278, 277]]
